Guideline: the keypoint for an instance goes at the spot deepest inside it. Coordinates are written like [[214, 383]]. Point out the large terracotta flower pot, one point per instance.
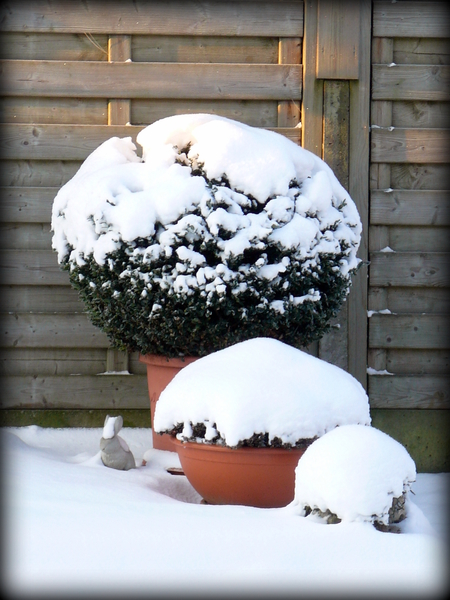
[[261, 477], [160, 372]]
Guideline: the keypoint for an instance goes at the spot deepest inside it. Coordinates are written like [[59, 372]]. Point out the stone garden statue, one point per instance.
[[115, 451]]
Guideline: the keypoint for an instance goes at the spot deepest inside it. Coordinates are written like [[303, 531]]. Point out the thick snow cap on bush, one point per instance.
[[261, 385], [118, 197], [354, 472]]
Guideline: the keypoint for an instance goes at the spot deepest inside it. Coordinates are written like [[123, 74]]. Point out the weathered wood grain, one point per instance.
[[119, 50], [421, 51], [29, 330], [69, 111], [37, 173], [338, 39], [410, 207], [419, 177], [409, 331], [409, 239], [218, 18], [63, 142], [420, 362], [53, 142], [205, 49], [419, 391], [40, 298], [53, 361], [333, 347], [31, 267], [27, 45], [27, 204], [410, 145], [150, 80], [77, 391], [418, 239], [409, 269], [25, 236], [420, 114], [410, 82], [411, 19], [257, 113], [359, 190], [312, 101], [289, 52], [410, 300]]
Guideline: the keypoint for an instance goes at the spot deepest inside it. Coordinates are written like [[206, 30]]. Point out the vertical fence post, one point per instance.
[[119, 113], [335, 126]]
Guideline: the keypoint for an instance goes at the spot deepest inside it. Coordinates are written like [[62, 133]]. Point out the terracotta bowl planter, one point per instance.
[[160, 372], [261, 477]]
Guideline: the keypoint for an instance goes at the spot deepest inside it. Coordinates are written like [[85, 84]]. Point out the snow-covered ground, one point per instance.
[[72, 526]]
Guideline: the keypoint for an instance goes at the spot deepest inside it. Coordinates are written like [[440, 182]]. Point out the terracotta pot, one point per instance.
[[261, 477], [160, 372]]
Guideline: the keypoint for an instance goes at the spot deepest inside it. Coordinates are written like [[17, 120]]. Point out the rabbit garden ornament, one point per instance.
[[115, 451]]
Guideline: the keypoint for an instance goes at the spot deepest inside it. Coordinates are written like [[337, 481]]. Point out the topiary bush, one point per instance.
[[220, 233]]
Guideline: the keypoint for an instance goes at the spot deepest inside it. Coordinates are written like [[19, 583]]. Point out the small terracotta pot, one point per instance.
[[261, 477], [160, 372]]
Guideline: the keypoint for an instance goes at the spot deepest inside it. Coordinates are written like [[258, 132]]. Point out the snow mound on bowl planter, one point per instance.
[[354, 473], [260, 392], [221, 232]]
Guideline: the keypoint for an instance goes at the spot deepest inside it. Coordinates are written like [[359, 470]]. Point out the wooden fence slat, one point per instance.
[[77, 391], [62, 142], [218, 18], [25, 236], [426, 362], [409, 269], [409, 331], [31, 267], [398, 145], [410, 82], [70, 111], [38, 298], [35, 173], [256, 113], [410, 300], [420, 51], [27, 204], [52, 46], [419, 177], [205, 49], [338, 39], [420, 114], [409, 207], [52, 361], [419, 391], [58, 142], [29, 330], [150, 80], [411, 19], [415, 239]]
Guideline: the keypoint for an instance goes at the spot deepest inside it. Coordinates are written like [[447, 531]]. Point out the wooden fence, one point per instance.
[[75, 74], [409, 242]]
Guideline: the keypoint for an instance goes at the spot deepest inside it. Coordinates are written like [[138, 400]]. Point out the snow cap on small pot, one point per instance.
[[261, 392], [353, 473]]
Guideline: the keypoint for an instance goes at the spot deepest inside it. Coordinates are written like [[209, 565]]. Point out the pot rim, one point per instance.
[[163, 361], [243, 449]]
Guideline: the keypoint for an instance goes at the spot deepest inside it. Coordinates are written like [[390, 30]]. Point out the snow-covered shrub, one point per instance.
[[221, 232], [354, 473], [260, 393]]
